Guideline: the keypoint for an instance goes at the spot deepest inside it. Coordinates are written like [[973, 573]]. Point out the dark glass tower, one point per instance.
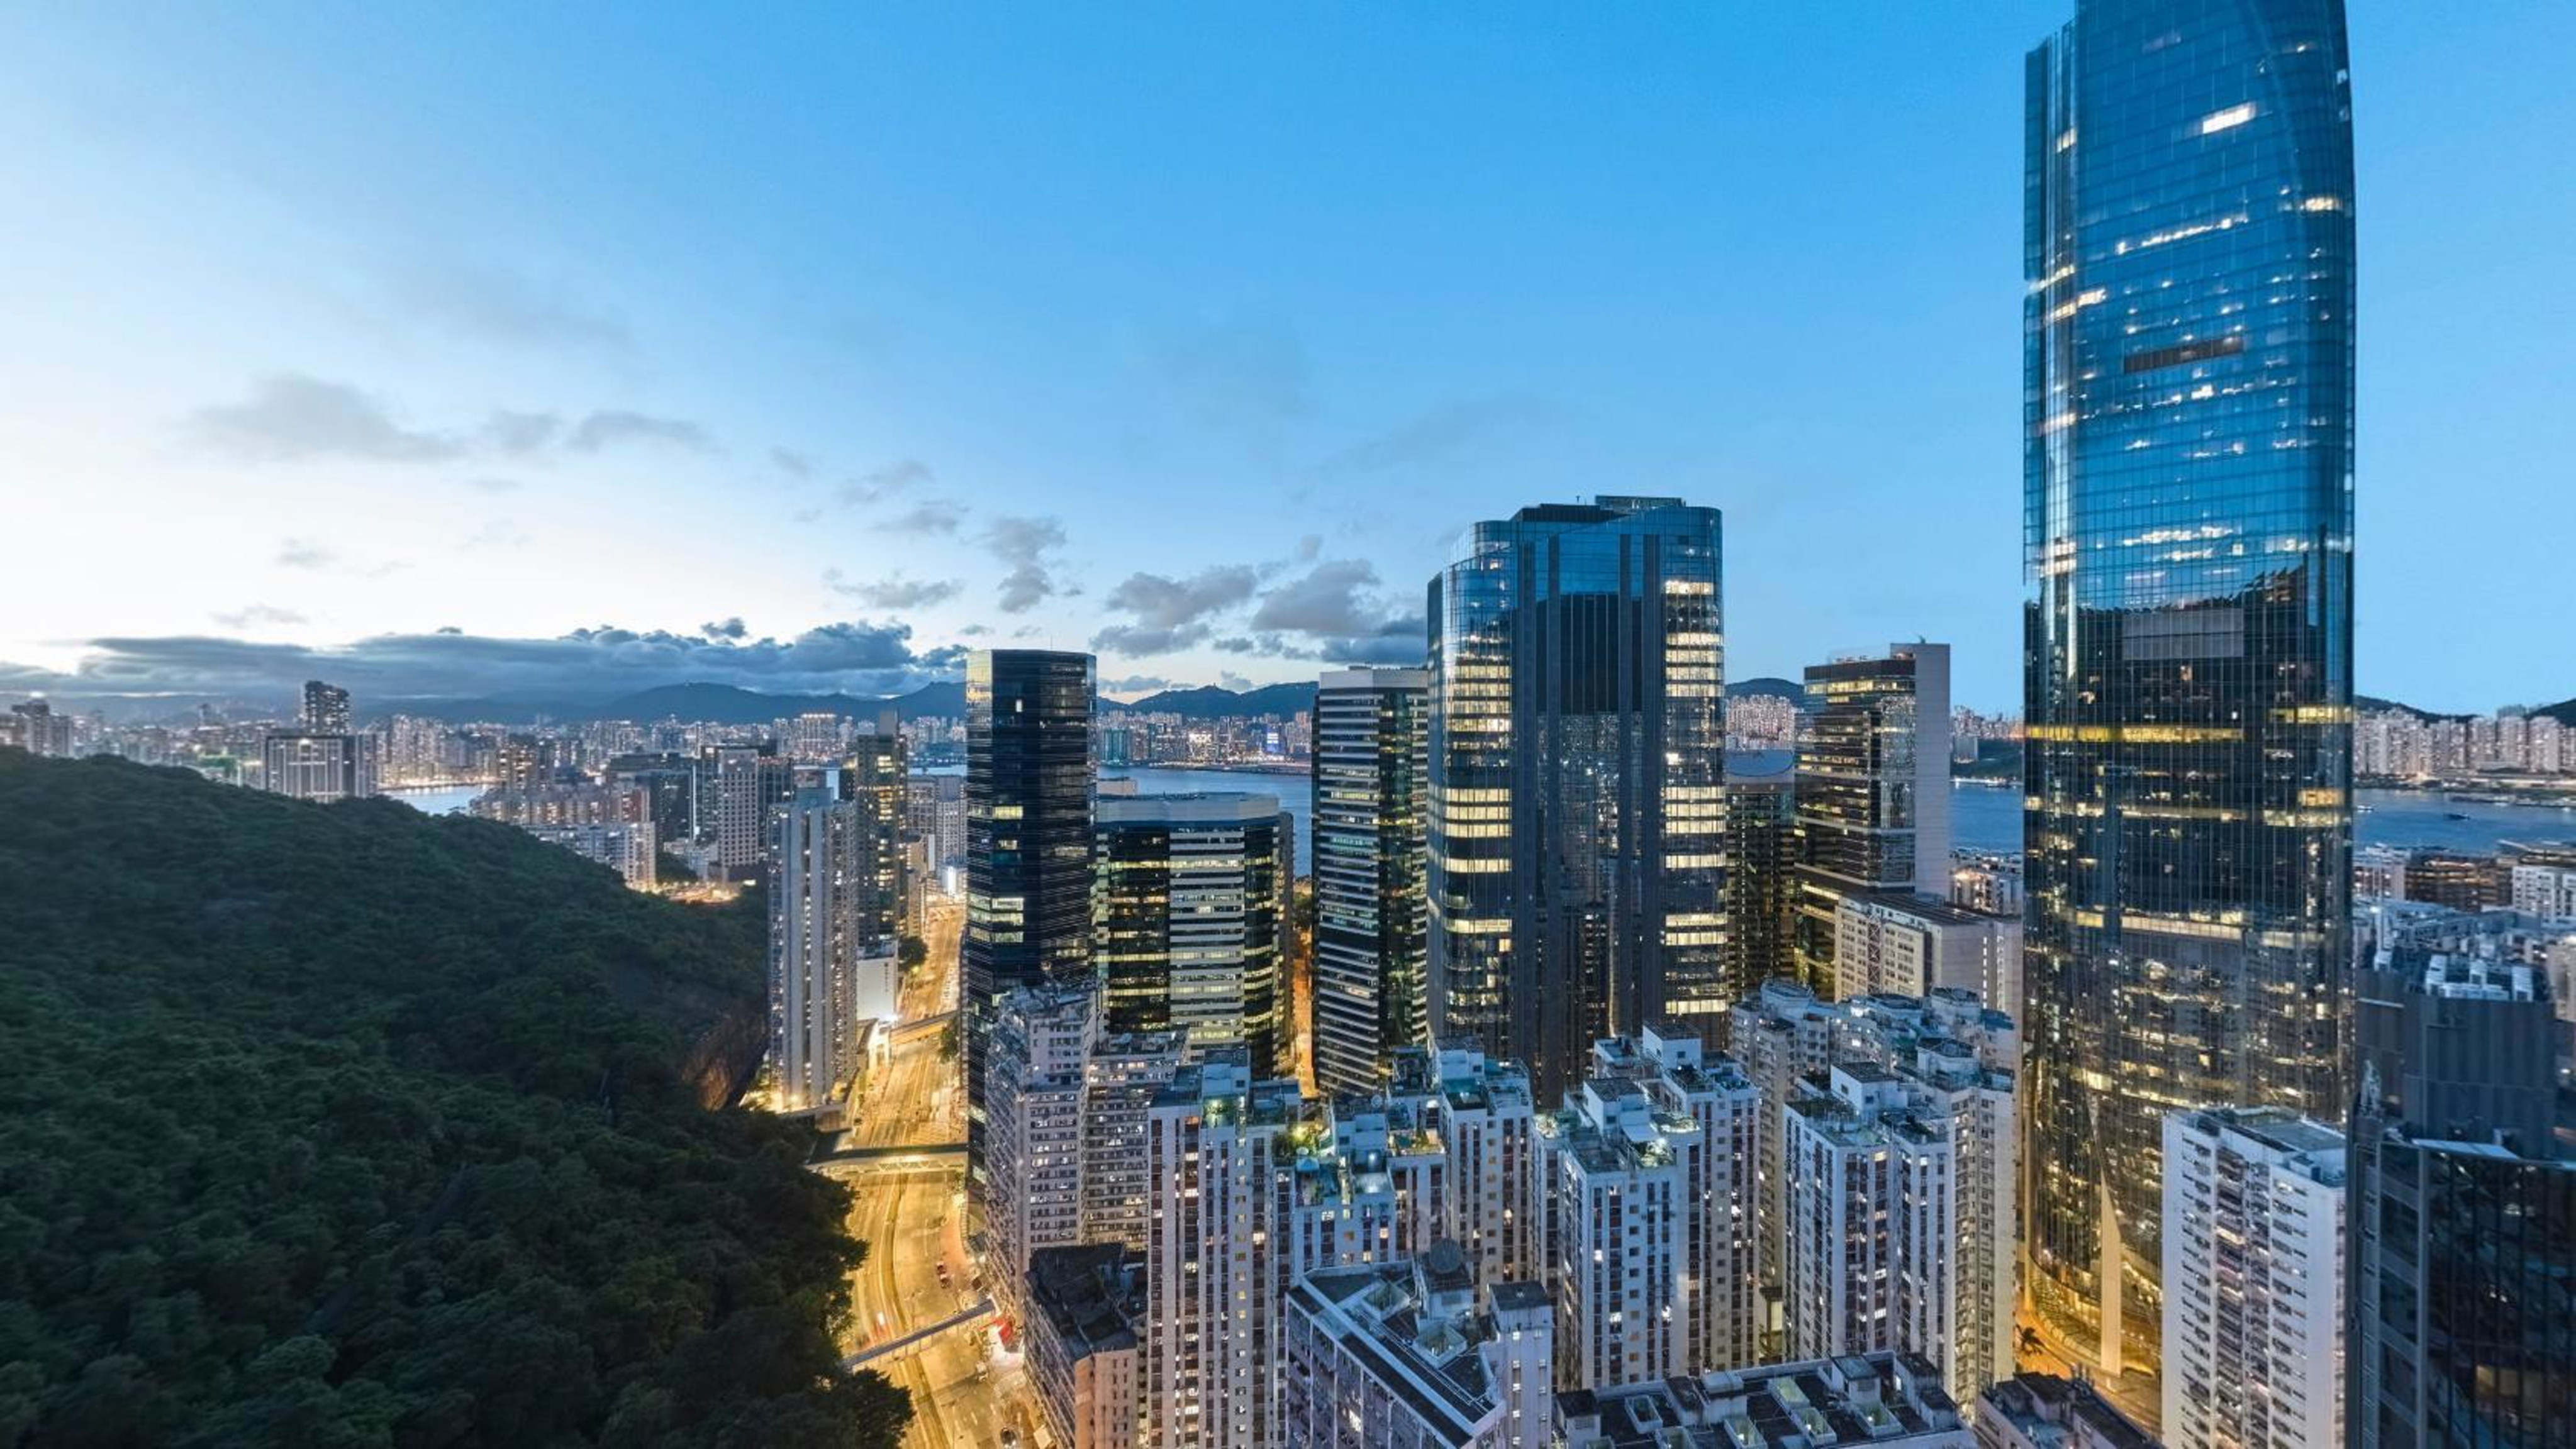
[[1028, 842], [1873, 791], [1578, 781], [1190, 918], [2188, 376], [1371, 803]]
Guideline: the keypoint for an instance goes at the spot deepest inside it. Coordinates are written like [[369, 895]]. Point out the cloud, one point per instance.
[[859, 656], [292, 417], [616, 426], [495, 305], [895, 591], [930, 515], [1452, 433], [1171, 614], [299, 553], [729, 628], [520, 434], [879, 484], [974, 631], [792, 462], [1332, 611], [1135, 684], [1022, 546], [253, 616]]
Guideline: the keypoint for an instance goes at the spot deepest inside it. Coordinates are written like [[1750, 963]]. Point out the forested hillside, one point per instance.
[[343, 1125]]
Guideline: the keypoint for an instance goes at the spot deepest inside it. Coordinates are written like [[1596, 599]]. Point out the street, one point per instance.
[[911, 1213]]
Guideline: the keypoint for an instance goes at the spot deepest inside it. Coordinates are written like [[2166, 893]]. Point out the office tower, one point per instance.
[[1761, 884], [2188, 409], [740, 789], [817, 953], [875, 768], [1578, 780], [1191, 911], [1415, 1353], [1909, 944], [813, 738], [2043, 1411], [668, 783], [1028, 842], [1885, 1400], [40, 731], [1369, 858], [1248, 1196], [1122, 1074], [1085, 1326], [325, 708], [2254, 1280], [311, 766], [1720, 1290], [624, 848], [1033, 1092], [1873, 791], [2463, 1208]]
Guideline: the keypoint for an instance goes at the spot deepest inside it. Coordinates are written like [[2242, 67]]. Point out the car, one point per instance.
[[1010, 1439]]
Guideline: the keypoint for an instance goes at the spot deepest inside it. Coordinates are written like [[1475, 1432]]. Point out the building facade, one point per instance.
[[818, 954], [1028, 844], [2188, 507], [1413, 1354], [2254, 1280], [1371, 811], [1033, 1098], [1762, 863], [1578, 780], [1873, 792], [1909, 945], [1191, 914], [312, 765]]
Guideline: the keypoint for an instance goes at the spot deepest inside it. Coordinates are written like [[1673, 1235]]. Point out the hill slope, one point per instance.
[[349, 1126]]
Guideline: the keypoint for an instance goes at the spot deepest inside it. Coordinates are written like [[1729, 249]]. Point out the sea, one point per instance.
[[1982, 817]]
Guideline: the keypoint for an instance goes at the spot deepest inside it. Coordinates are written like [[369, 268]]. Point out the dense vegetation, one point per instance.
[[343, 1125]]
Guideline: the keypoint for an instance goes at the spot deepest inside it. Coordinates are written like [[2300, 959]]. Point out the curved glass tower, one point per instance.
[[1578, 781], [2188, 401]]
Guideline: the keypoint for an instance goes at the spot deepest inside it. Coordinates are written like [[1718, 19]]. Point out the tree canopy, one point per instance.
[[348, 1126]]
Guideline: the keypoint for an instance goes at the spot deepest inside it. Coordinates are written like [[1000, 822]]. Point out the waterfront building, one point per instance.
[[312, 765], [1085, 1325], [1028, 844], [1371, 805], [1413, 1354], [1884, 1400], [1578, 780], [1873, 792], [2187, 527], [2254, 1280], [1191, 911], [2547, 891]]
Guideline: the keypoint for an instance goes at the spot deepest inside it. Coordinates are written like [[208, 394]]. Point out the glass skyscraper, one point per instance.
[[1029, 783], [2188, 373], [1371, 734], [1578, 781], [1873, 792]]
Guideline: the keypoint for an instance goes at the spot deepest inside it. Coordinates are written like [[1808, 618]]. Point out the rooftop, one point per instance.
[[1873, 1398]]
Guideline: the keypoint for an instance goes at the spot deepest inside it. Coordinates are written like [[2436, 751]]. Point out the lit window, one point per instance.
[[2226, 120]]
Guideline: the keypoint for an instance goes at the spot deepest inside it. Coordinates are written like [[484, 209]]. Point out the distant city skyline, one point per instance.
[[944, 334]]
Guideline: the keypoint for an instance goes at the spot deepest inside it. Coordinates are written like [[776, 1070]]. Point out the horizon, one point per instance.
[[817, 390]]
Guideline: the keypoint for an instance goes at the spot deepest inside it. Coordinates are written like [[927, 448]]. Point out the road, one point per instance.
[[964, 1389]]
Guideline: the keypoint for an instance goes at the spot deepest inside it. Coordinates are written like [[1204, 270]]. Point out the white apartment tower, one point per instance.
[[1720, 1287], [1033, 1097], [2254, 1280], [814, 953], [1411, 1354]]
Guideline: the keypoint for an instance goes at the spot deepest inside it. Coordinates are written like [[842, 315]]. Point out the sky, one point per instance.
[[541, 350]]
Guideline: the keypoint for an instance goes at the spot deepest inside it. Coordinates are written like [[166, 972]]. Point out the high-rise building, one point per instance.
[[1910, 944], [310, 765], [1873, 791], [35, 728], [2254, 1280], [2463, 1208], [1028, 843], [1191, 915], [627, 849], [2044, 1411], [1649, 1245], [740, 789], [875, 769], [1249, 1195], [812, 738], [1371, 810], [1480, 1114], [325, 709], [1085, 1326], [1415, 1354], [827, 973], [1578, 780], [1762, 862], [2188, 508], [1122, 1075], [936, 815], [1033, 1094]]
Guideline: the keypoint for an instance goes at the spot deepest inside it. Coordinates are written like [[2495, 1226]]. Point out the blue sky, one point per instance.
[[800, 345]]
